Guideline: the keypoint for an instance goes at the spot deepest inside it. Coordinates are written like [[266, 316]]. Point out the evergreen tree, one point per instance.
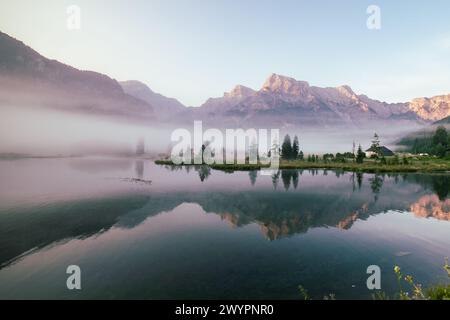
[[376, 144], [440, 141], [360, 155], [286, 148], [440, 136], [415, 148], [301, 156], [295, 148]]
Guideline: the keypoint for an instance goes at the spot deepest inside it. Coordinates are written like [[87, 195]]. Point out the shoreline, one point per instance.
[[437, 167]]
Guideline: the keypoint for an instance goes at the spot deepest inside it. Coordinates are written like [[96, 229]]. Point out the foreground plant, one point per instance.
[[437, 292]]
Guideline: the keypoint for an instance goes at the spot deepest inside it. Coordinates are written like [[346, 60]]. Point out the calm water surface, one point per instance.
[[198, 233]]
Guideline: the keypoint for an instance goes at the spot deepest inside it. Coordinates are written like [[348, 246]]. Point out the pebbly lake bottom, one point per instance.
[[196, 233]]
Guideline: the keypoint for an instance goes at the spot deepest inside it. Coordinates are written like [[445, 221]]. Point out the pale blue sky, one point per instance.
[[195, 49]]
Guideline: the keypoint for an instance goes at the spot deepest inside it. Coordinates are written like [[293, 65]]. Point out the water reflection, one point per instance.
[[431, 206], [139, 168], [376, 183], [253, 174], [308, 199], [204, 172]]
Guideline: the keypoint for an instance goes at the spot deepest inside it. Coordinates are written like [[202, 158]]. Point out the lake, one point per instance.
[[197, 233]]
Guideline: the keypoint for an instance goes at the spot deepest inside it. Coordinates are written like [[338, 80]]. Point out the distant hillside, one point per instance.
[[443, 121], [27, 78], [164, 107], [427, 141]]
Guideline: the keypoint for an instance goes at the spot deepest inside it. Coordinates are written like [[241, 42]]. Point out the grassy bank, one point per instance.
[[369, 166]]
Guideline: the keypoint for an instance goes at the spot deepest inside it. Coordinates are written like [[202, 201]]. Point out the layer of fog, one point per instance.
[[48, 132]]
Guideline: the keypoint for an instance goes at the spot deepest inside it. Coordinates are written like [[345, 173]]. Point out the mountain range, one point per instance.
[[288, 102], [28, 78]]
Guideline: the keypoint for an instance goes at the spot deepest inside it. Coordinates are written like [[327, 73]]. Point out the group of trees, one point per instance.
[[291, 151], [438, 143], [441, 142]]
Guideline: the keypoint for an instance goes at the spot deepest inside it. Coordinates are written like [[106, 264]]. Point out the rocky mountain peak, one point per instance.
[[285, 85], [346, 91], [240, 91], [434, 108]]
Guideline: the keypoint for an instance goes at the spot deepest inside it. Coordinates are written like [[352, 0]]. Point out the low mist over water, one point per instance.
[[42, 131]]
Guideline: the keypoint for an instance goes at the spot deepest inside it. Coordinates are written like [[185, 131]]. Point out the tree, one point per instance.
[[440, 136], [376, 144], [349, 155], [415, 148], [286, 148], [360, 155], [301, 156], [440, 150], [203, 150], [328, 157], [295, 148], [440, 141], [340, 157]]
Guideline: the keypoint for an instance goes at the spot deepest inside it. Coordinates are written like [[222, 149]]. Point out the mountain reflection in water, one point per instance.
[[308, 199], [47, 205]]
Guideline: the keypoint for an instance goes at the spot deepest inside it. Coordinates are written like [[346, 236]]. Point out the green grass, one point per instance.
[[369, 165]]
